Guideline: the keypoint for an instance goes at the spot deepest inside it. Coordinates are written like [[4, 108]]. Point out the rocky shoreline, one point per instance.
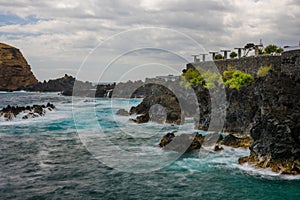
[[10, 112], [268, 111], [190, 142]]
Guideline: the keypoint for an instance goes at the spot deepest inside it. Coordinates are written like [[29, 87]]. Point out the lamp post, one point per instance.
[[213, 54], [196, 58], [203, 56], [239, 51], [225, 53]]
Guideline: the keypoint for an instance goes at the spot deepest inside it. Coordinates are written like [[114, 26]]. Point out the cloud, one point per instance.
[[59, 34]]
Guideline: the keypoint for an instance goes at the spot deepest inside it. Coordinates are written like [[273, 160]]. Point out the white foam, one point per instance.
[[265, 173], [55, 114]]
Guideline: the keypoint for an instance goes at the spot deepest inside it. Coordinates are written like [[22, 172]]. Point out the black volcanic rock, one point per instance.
[[122, 112], [190, 142], [167, 139], [69, 86], [276, 126], [268, 110], [10, 112], [182, 143], [162, 96], [64, 84], [237, 141]]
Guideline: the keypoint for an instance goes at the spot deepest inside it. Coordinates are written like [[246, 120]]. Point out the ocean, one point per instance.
[[82, 150]]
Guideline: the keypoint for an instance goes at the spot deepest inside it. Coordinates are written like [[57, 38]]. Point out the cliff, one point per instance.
[[14, 69], [268, 110]]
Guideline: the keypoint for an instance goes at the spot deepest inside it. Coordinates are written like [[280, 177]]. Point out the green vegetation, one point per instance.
[[211, 79], [272, 49], [194, 77], [264, 70], [218, 57], [260, 52], [237, 79], [233, 55], [231, 77], [249, 47], [268, 50], [191, 78]]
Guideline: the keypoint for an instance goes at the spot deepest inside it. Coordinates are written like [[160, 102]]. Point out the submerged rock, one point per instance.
[[142, 119], [218, 148], [122, 112], [10, 112], [182, 143], [167, 139]]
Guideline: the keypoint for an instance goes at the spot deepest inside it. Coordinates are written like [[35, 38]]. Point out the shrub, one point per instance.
[[194, 77], [210, 79], [264, 70], [218, 57], [272, 49], [233, 55], [227, 74], [237, 79], [191, 78]]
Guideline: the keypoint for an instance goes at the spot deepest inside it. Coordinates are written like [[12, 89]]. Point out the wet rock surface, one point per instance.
[[237, 141], [163, 97], [185, 143], [181, 143], [268, 110], [276, 125], [10, 112], [122, 112]]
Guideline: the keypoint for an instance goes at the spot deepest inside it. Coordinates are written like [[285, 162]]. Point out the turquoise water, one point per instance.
[[83, 151]]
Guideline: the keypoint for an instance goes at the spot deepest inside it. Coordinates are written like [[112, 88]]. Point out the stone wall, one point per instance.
[[246, 64], [290, 61]]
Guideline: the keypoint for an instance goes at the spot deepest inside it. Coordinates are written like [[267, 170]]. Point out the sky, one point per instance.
[[117, 40]]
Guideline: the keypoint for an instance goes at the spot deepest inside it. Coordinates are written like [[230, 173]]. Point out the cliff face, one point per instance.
[[276, 125], [14, 69], [269, 110]]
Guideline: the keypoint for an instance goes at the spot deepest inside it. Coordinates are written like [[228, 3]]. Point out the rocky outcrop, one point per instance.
[[189, 142], [269, 110], [242, 107], [160, 105], [10, 112], [63, 84], [68, 86], [182, 143], [122, 112], [276, 125], [105, 90], [129, 89], [14, 69], [236, 141]]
